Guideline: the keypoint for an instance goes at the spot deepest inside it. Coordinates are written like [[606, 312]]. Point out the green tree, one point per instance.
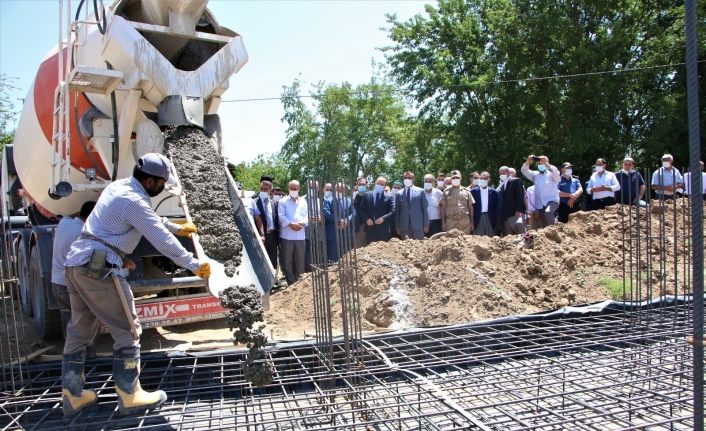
[[248, 174], [8, 114], [348, 131], [482, 71]]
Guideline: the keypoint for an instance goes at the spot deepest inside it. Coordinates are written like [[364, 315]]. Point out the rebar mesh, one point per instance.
[[586, 371]]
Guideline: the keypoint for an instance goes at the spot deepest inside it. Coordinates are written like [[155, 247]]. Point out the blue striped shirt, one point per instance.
[[123, 215]]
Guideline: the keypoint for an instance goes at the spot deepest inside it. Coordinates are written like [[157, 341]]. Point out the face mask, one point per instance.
[[387, 194], [276, 198], [542, 168], [455, 182], [395, 190], [474, 183], [483, 183], [568, 172], [503, 177], [666, 165], [264, 195], [440, 184], [362, 189], [328, 194], [428, 186], [155, 191], [379, 188], [600, 169], [294, 193], [407, 182]]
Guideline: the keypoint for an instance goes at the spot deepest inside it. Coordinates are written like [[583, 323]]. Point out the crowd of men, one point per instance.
[[378, 212]]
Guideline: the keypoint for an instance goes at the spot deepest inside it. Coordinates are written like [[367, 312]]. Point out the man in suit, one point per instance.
[[338, 218], [264, 211], [411, 216], [376, 210], [512, 206], [361, 187], [485, 206]]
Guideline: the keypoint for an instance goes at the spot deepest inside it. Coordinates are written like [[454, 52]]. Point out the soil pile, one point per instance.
[[201, 172], [461, 278]]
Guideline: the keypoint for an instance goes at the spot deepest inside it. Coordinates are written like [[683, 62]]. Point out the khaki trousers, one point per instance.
[[94, 301]]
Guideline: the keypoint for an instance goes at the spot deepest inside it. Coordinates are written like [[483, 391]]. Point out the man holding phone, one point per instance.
[[546, 187]]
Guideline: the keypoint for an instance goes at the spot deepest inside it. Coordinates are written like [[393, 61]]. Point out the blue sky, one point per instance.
[[325, 40]]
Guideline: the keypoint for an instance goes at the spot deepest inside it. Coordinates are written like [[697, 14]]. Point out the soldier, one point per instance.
[[456, 206]]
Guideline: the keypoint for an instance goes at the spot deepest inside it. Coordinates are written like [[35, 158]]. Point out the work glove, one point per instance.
[[186, 229], [204, 270]]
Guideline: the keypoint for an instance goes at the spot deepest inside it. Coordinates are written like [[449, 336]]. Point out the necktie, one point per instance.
[[409, 197]]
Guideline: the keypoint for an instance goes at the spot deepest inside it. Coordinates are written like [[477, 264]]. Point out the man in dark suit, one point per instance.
[[361, 187], [264, 211], [376, 210], [411, 216], [485, 206], [338, 218], [512, 206]]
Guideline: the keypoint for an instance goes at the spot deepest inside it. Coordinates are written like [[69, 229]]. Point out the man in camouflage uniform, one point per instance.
[[456, 206]]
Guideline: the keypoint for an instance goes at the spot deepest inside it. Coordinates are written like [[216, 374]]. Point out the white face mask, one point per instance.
[[328, 194], [408, 182], [428, 186], [276, 198], [455, 182], [568, 172], [600, 169], [294, 193], [483, 183], [666, 165], [440, 184], [264, 195], [503, 177], [474, 183]]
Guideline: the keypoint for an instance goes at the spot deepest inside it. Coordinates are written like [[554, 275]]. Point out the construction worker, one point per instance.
[[99, 292], [456, 206]]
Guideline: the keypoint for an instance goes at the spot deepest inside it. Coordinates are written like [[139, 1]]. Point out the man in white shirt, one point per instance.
[[667, 179], [687, 181], [546, 187], [67, 231], [293, 218], [433, 195], [602, 187]]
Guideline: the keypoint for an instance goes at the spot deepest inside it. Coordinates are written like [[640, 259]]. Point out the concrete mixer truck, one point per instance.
[[119, 77]]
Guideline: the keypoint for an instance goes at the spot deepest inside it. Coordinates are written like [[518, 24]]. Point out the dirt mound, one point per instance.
[[462, 278]]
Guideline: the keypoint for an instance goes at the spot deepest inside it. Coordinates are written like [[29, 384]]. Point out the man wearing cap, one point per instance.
[[569, 192], [667, 179], [98, 290], [456, 206], [632, 185]]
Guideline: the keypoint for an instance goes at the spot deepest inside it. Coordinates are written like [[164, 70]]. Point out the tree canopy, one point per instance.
[[497, 79]]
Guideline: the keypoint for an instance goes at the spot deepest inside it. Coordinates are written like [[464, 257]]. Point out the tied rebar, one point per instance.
[[332, 249]]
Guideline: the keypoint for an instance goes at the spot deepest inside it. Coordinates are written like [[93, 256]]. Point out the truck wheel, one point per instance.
[[23, 278], [47, 322]]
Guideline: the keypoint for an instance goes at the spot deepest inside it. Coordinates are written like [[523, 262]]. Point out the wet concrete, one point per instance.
[[201, 172], [245, 315]]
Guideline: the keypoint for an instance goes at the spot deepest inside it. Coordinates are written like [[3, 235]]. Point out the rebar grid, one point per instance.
[[586, 372]]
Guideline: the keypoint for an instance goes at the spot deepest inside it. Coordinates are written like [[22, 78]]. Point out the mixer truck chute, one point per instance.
[[102, 98]]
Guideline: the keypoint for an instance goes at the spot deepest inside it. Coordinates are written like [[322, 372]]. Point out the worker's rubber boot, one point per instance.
[[126, 373], [74, 397]]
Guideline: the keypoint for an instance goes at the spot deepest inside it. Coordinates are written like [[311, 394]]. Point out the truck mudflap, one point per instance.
[[193, 308]]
